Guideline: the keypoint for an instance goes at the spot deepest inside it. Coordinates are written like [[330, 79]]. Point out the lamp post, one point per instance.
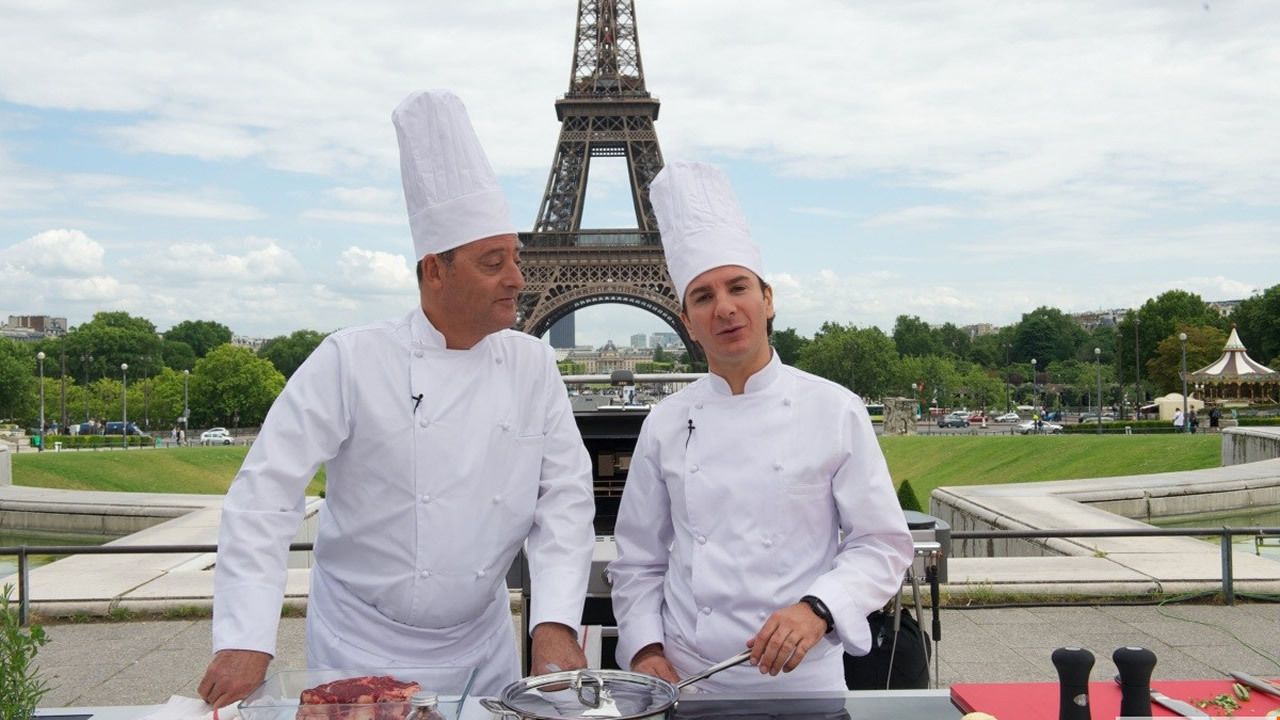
[[186, 406], [85, 360], [1035, 397], [1186, 422], [1097, 360], [1137, 371], [124, 403], [40, 362]]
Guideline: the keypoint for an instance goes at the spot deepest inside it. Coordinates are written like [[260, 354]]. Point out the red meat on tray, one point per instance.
[[369, 697]]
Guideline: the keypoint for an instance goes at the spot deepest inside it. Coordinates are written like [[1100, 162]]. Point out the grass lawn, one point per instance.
[[928, 461], [931, 461], [201, 470]]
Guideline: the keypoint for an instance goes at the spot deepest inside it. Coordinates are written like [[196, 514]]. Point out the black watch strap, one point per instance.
[[821, 610]]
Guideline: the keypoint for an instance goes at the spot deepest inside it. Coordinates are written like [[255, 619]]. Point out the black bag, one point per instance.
[[910, 660]]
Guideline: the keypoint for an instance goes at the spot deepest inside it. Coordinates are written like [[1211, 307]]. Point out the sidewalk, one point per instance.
[[144, 662]]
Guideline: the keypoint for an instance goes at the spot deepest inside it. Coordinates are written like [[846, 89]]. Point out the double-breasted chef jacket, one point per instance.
[[738, 505], [440, 463]]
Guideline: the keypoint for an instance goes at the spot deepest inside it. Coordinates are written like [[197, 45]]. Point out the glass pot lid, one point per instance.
[[590, 694]]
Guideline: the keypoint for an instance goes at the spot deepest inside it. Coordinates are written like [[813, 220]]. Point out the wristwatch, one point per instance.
[[820, 609]]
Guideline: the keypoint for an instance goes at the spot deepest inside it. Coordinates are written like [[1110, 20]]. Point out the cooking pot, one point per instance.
[[596, 694]]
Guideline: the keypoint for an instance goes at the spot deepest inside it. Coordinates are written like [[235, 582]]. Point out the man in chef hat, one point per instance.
[[758, 511], [449, 443]]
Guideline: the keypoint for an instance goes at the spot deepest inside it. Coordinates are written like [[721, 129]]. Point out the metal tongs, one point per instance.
[[593, 695]]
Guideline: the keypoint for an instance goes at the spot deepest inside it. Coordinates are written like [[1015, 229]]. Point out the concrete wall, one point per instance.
[[6, 465], [1250, 444]]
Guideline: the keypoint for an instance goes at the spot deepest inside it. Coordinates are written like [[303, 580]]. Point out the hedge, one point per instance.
[[82, 442]]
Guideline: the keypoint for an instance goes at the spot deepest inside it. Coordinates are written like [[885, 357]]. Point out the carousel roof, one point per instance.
[[1234, 364]]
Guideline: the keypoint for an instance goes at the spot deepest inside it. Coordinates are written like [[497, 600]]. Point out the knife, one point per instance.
[[1257, 683], [1184, 709]]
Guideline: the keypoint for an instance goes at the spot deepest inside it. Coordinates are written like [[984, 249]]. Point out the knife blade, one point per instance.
[[1185, 709], [1256, 683]]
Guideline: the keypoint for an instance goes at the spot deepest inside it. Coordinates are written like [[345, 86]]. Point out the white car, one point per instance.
[[215, 436], [1009, 418], [1046, 428]]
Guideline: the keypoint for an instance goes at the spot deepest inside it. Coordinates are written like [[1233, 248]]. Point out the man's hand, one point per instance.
[[555, 645], [652, 660], [785, 638], [232, 675]]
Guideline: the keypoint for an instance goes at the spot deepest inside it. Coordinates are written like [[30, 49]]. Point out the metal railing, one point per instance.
[[1224, 534]]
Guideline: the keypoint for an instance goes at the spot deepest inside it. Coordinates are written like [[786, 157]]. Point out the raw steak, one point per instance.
[[370, 697]]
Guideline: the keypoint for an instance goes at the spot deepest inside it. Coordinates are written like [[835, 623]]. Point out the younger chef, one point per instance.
[[758, 511]]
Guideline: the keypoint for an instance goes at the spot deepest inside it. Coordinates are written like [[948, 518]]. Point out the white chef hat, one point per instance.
[[450, 190], [702, 225]]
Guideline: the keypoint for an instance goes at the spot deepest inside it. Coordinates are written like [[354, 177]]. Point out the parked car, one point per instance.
[[1046, 428], [978, 419], [1010, 417], [1093, 417], [116, 427], [954, 420], [216, 436]]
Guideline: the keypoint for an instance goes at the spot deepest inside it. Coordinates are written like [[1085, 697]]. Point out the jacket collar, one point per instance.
[[762, 380]]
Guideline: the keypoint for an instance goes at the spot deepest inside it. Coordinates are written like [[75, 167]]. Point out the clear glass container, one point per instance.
[[278, 698]]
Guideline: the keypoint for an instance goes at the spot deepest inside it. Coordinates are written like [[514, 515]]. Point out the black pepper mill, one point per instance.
[[1073, 666], [1135, 665]]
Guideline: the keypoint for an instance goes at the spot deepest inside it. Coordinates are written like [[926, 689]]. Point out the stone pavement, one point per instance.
[[146, 661]]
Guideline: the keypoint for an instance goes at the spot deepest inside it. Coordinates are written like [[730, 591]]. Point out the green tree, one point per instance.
[[788, 344], [288, 352], [1204, 345], [233, 387], [659, 354], [1046, 334], [201, 335], [913, 337], [568, 367], [863, 360], [17, 377], [938, 374], [1258, 323], [178, 355], [1158, 319], [955, 341], [112, 338]]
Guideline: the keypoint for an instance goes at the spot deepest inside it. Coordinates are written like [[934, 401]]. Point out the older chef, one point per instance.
[[758, 510], [448, 441]]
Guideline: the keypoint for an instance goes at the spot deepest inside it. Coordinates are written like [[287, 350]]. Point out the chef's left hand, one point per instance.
[[555, 644], [785, 637]]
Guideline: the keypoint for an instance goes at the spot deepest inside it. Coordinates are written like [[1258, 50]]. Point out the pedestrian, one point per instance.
[[449, 443], [1178, 420], [1215, 417], [1193, 420], [758, 510]]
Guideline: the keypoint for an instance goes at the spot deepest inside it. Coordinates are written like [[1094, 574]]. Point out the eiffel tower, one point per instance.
[[606, 113]]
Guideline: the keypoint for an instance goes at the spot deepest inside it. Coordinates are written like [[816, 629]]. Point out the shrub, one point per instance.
[[20, 684]]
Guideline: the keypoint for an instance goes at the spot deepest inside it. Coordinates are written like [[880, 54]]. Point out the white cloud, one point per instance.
[[824, 212], [181, 264], [55, 254], [174, 204], [358, 217], [376, 271]]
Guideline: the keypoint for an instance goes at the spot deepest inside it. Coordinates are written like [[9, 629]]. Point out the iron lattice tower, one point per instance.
[[606, 113]]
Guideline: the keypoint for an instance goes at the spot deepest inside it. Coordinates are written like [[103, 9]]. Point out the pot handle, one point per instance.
[[722, 665], [498, 708]]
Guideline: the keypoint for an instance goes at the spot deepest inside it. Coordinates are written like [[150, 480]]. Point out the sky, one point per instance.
[[958, 161]]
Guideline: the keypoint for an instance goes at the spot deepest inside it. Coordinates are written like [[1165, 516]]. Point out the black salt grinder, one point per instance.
[[1073, 666], [1135, 665]]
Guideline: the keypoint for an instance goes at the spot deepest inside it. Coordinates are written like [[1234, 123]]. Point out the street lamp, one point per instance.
[[86, 360], [1097, 360], [1035, 396], [1186, 422], [40, 360], [186, 406], [124, 402], [1137, 371]]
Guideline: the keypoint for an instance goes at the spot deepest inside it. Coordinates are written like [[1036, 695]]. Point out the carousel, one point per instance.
[[1235, 378]]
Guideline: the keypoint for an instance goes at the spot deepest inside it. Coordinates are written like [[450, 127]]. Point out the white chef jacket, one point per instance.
[[738, 505], [427, 500]]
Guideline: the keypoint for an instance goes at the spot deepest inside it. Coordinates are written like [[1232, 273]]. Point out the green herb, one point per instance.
[[20, 684]]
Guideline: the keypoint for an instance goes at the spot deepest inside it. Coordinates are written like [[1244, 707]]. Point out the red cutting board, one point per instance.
[[1039, 701]]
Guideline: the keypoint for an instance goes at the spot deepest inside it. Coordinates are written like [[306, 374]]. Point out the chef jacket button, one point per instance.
[[498, 360], [497, 499], [424, 422], [786, 401], [505, 426], [425, 573], [417, 353], [762, 614], [480, 573], [693, 469], [698, 405], [768, 543], [706, 611], [777, 466], [702, 539], [426, 499]]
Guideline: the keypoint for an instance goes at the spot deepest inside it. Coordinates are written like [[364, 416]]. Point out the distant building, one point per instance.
[[252, 343], [609, 358], [980, 329], [1224, 307], [665, 340], [1099, 318], [639, 340], [34, 327], [562, 333]]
